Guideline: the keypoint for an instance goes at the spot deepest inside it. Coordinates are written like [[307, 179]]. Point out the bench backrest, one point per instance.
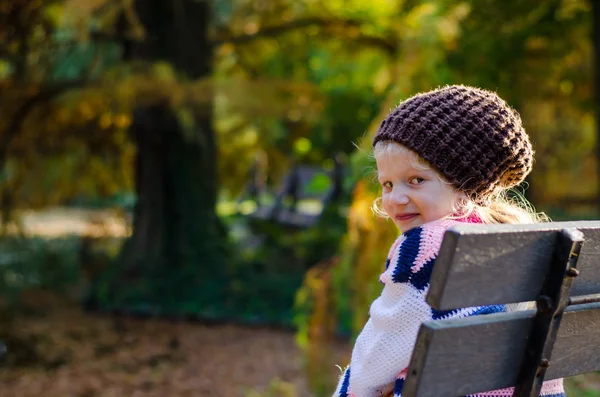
[[500, 264]]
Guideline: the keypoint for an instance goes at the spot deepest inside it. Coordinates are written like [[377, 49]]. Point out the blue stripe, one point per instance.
[[420, 280], [409, 249], [489, 309], [398, 386], [439, 314], [345, 384]]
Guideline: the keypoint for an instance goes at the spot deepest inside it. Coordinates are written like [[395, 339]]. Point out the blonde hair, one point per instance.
[[502, 206]]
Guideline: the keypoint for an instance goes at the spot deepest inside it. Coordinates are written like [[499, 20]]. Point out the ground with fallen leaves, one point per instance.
[[83, 355]]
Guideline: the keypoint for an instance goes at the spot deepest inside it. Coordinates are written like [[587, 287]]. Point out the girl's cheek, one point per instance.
[[384, 201]]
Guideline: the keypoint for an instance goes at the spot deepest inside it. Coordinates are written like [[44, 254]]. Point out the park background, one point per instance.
[[186, 185]]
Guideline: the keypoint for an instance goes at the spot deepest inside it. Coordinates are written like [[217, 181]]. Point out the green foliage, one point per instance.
[[536, 55], [37, 263], [316, 327], [584, 385], [272, 263], [277, 388]]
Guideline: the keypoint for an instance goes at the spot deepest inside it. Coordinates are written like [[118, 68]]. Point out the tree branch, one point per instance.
[[388, 45], [327, 25], [276, 30], [45, 94]]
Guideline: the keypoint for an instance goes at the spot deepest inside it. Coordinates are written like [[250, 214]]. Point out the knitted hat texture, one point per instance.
[[469, 135]]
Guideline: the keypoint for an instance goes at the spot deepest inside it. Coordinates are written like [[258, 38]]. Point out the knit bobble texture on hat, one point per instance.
[[469, 135]]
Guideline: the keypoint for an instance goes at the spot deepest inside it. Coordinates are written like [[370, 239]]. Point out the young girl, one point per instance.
[[443, 157]]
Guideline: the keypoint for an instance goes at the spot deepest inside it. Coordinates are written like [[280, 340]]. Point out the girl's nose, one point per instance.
[[399, 197]]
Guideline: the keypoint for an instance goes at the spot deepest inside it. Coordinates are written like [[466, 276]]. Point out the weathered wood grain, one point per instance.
[[496, 264], [481, 353]]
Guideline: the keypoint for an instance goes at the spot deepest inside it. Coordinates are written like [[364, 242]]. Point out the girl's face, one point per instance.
[[412, 192]]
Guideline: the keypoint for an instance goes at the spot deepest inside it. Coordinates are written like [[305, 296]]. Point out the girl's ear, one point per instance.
[[460, 196], [462, 201]]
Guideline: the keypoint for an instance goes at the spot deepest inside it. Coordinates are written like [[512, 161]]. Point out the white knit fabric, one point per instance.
[[385, 345]]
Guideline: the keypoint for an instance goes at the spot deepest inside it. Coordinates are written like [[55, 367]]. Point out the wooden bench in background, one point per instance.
[[301, 184], [557, 265]]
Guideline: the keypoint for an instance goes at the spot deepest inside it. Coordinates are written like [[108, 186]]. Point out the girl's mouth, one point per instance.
[[406, 217]]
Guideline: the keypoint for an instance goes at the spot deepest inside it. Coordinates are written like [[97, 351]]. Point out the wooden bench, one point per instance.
[[303, 183], [557, 265]]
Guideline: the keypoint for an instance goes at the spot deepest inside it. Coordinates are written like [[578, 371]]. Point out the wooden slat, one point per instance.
[[589, 260], [481, 353], [496, 264]]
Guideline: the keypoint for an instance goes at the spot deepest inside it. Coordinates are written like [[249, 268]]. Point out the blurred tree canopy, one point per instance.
[[108, 97]]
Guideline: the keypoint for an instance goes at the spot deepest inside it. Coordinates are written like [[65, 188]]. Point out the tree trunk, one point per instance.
[[176, 256]]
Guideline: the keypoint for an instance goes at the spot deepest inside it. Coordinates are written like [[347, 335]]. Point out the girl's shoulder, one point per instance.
[[432, 230], [427, 237], [411, 257], [436, 229]]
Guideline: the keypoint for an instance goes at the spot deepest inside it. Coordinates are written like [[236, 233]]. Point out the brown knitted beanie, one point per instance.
[[469, 135]]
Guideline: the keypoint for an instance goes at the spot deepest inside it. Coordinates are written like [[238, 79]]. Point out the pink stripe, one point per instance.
[[429, 246], [549, 387], [402, 374], [554, 386], [384, 277], [433, 234], [473, 218]]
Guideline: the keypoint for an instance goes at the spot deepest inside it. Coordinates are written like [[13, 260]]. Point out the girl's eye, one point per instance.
[[387, 185], [416, 180]]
